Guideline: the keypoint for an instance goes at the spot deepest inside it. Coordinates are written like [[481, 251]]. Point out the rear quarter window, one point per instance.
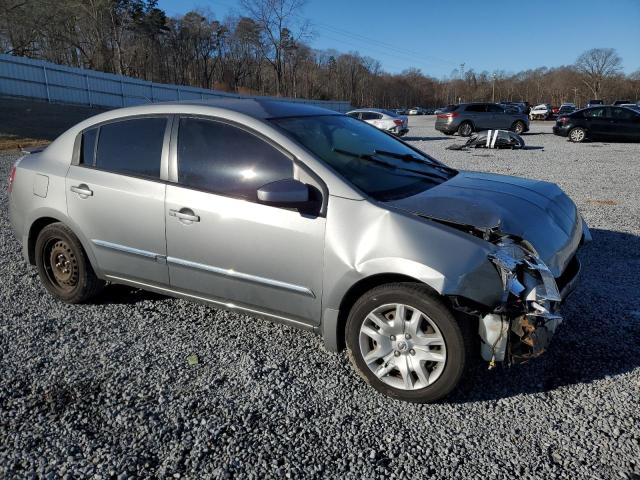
[[88, 147]]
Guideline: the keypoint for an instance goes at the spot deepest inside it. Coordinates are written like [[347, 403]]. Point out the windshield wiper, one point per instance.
[[371, 158], [408, 157]]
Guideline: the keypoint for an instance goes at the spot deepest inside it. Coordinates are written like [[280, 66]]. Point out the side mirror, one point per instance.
[[284, 193]]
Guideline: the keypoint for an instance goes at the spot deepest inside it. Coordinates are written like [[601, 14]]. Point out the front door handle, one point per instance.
[[83, 190], [184, 214]]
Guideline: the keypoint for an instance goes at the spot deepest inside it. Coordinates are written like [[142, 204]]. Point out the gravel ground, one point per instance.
[[105, 390]]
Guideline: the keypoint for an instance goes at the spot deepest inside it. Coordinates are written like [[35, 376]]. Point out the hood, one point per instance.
[[536, 211]]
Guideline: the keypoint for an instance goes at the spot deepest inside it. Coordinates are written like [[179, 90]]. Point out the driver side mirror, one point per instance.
[[284, 193]]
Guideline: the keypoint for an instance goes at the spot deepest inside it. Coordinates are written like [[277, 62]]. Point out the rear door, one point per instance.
[[225, 246], [374, 118], [499, 119], [115, 194], [597, 122], [477, 113]]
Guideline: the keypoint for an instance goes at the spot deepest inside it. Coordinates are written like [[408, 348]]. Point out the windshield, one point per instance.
[[373, 161]]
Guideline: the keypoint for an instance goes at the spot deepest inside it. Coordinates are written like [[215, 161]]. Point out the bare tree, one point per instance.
[[277, 20], [596, 65]]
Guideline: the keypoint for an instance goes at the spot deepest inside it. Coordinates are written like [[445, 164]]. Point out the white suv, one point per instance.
[[540, 112], [383, 119]]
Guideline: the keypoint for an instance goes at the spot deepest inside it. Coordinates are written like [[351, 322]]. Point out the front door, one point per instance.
[[225, 246], [115, 196]]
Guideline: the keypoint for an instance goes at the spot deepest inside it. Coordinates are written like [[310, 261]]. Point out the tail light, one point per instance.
[[12, 177], [398, 122], [448, 115], [563, 120]]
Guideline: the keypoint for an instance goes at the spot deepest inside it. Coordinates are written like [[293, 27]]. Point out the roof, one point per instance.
[[259, 108]]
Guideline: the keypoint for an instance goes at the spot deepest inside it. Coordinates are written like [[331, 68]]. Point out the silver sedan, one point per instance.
[[310, 218]]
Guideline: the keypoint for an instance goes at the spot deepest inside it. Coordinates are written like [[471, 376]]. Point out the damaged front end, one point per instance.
[[521, 326]]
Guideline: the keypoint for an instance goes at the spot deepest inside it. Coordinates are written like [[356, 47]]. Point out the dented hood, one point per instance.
[[536, 211]]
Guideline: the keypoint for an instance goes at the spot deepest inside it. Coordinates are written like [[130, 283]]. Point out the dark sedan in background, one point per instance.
[[602, 122]]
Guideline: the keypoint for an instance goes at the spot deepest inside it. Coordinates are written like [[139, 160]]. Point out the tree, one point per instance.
[[596, 66], [277, 20]]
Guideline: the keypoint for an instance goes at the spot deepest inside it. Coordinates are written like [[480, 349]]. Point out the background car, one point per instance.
[[622, 102], [566, 109], [416, 111], [466, 118], [386, 120], [593, 103], [541, 112], [599, 122]]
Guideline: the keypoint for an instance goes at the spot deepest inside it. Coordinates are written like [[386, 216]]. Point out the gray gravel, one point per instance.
[[105, 390]]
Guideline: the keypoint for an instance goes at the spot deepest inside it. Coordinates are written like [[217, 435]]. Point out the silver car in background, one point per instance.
[[310, 218], [466, 118], [386, 120]]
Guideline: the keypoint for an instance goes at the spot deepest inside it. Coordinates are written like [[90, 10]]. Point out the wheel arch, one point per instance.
[[47, 217], [333, 330]]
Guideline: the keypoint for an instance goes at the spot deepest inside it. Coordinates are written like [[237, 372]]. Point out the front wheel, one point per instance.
[[406, 343], [63, 266], [577, 134], [518, 127]]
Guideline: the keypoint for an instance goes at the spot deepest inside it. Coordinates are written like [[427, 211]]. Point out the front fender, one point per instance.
[[363, 240]]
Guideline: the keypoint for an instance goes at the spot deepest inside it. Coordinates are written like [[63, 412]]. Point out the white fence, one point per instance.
[[25, 77]]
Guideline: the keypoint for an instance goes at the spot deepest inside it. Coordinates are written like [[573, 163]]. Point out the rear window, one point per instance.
[[594, 112], [478, 107], [131, 146], [88, 147], [450, 108]]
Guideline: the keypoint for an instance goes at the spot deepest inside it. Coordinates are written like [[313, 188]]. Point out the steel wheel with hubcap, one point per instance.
[[402, 346], [577, 134], [406, 343]]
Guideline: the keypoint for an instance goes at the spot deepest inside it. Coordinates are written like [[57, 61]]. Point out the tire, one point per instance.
[[465, 129], [577, 134], [422, 367], [63, 265], [518, 127]]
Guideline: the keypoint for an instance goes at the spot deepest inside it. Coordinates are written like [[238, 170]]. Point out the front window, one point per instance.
[[371, 160]]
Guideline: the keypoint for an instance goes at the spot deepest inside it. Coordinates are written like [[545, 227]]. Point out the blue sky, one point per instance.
[[437, 36]]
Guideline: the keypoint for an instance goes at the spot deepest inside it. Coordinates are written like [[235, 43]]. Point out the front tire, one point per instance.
[[465, 129], [63, 265], [406, 343], [577, 134]]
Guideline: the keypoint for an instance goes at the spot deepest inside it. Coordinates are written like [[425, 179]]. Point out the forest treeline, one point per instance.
[[267, 49]]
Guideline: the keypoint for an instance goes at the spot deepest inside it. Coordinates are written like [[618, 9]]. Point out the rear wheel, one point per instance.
[[406, 343], [63, 266], [465, 129], [577, 134], [518, 127]]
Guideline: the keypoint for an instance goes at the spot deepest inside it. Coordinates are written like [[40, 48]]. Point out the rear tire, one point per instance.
[[465, 129], [419, 358], [577, 134], [63, 265], [518, 127]]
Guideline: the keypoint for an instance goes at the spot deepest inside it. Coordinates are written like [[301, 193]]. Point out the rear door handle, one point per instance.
[[184, 214], [82, 190]]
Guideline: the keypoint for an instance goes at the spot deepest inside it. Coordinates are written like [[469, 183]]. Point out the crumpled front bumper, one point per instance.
[[522, 326]]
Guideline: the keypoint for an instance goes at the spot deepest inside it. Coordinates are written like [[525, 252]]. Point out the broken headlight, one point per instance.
[[521, 326]]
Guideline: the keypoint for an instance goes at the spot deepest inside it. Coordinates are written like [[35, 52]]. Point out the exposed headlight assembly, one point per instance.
[[521, 327]]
